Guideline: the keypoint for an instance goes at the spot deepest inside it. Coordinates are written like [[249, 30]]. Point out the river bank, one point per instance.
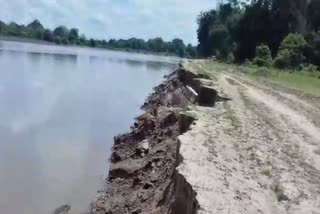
[[24, 40], [143, 176], [126, 50]]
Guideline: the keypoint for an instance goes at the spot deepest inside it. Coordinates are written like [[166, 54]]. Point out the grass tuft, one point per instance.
[[278, 190]]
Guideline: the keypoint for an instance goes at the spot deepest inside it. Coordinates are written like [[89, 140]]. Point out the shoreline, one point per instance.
[[143, 174], [42, 42]]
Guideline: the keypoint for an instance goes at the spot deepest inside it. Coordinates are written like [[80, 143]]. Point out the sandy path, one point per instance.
[[258, 153]]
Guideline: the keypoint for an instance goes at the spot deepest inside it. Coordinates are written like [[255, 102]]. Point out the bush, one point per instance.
[[225, 57], [312, 51], [263, 56], [220, 56], [247, 62], [310, 68], [283, 59], [230, 58], [291, 51]]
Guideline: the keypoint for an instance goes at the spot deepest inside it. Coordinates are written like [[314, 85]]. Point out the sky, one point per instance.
[[106, 19]]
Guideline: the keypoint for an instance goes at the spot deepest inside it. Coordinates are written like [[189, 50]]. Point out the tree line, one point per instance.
[[65, 36], [280, 33]]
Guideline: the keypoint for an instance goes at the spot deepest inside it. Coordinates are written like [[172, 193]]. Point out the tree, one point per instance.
[[48, 35], [225, 10], [73, 36], [104, 43], [156, 44], [92, 43], [312, 51], [3, 28], [179, 46], [35, 29], [112, 43], [205, 21], [83, 40], [254, 28], [61, 31], [313, 15], [219, 36], [36, 25], [217, 29], [62, 35], [13, 29], [191, 51]]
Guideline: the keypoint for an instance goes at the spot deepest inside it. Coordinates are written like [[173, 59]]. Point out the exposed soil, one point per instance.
[[143, 176], [258, 152]]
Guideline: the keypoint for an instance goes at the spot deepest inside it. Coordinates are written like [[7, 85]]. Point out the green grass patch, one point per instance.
[[266, 172], [304, 80], [301, 80], [278, 190], [298, 80]]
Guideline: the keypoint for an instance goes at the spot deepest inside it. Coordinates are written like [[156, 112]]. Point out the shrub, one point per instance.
[[310, 68], [291, 51], [263, 56], [230, 58], [247, 62], [220, 56], [283, 59], [293, 42]]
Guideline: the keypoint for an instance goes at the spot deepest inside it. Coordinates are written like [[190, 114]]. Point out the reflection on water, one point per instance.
[[60, 108]]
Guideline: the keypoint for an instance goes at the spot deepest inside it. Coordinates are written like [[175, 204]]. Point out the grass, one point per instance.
[[278, 190], [266, 172], [300, 80], [235, 122]]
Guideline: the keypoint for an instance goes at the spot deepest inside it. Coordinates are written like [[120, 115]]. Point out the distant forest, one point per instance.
[[63, 35], [279, 33]]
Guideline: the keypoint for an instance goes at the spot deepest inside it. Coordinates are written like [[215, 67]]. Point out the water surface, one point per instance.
[[60, 108]]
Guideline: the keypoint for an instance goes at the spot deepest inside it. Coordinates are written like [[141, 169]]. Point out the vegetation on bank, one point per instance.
[[303, 80], [276, 35], [65, 36]]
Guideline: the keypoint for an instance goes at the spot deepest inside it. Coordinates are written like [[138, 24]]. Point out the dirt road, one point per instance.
[[259, 152]]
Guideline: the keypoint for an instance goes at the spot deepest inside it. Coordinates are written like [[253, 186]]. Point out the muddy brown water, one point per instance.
[[60, 108]]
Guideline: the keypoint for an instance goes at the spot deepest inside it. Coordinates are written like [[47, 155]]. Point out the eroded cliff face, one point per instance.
[[142, 175]]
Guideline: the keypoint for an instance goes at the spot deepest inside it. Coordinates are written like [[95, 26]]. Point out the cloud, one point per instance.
[[113, 18]]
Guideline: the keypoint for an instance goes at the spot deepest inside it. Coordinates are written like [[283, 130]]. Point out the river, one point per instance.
[[60, 108]]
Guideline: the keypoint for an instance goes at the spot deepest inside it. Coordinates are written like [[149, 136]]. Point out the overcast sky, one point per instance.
[[112, 18]]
